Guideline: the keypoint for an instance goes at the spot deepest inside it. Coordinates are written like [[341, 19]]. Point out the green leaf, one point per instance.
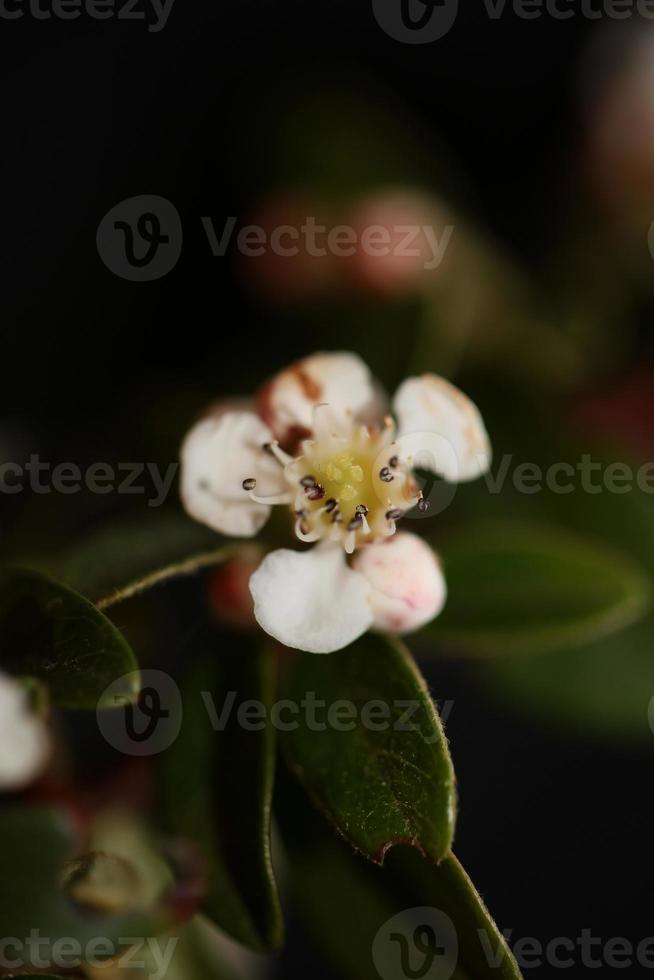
[[358, 908], [37, 846], [528, 589], [482, 950], [602, 688], [216, 787], [55, 635], [605, 688], [376, 761]]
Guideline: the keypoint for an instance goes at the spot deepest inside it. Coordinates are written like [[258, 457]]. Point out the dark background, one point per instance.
[[554, 830]]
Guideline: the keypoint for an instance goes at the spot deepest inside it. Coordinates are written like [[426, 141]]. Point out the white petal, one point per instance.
[[311, 600], [459, 448], [340, 379], [219, 453], [24, 744], [407, 585]]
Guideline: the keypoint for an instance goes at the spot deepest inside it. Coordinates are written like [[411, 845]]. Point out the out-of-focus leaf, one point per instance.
[[371, 750], [37, 847], [362, 916], [109, 558], [216, 788], [49, 632], [526, 589], [605, 688]]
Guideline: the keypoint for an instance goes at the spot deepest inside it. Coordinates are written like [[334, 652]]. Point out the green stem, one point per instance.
[[187, 567]]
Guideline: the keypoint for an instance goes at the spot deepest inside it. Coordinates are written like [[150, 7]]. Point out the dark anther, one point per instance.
[[316, 492], [329, 506], [423, 505], [362, 510], [355, 523], [249, 484], [308, 481], [394, 461], [386, 475]]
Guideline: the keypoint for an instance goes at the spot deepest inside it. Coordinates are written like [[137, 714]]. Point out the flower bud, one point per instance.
[[229, 591], [407, 587], [24, 746], [402, 238]]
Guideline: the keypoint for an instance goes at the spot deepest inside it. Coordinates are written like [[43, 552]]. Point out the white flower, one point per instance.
[[347, 482], [24, 745]]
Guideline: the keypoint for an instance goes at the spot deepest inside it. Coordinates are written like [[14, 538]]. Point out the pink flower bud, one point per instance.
[[402, 239], [407, 588]]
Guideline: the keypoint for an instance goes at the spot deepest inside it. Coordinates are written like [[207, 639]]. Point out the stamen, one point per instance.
[[274, 449], [315, 492], [276, 498], [336, 471], [423, 505], [304, 535], [249, 484]]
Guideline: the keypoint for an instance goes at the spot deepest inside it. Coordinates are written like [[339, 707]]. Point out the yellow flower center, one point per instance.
[[350, 485]]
